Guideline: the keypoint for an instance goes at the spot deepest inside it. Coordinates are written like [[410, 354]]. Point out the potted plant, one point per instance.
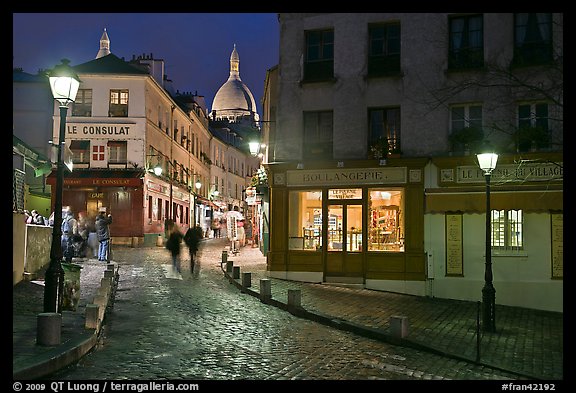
[[531, 138], [466, 139], [379, 148]]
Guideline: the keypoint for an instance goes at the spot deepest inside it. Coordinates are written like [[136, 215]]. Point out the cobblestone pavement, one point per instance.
[[200, 327]]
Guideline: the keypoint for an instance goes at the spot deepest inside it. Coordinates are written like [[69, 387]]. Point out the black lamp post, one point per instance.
[[487, 162], [64, 84]]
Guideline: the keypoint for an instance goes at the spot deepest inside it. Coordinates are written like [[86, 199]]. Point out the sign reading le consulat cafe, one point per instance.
[[346, 224]]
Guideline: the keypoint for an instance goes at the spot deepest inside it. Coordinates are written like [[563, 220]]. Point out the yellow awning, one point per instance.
[[534, 201]]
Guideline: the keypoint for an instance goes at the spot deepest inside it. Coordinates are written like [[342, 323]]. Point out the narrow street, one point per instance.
[[200, 327]]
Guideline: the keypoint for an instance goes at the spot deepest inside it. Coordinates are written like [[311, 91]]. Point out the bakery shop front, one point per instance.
[[358, 224]]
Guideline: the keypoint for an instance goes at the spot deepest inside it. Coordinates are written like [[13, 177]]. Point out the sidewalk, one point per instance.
[[527, 342], [31, 361]]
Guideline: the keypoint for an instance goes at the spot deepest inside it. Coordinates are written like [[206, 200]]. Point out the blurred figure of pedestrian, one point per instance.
[[192, 240], [216, 228], [37, 218], [69, 231], [173, 245], [102, 224], [27, 217]]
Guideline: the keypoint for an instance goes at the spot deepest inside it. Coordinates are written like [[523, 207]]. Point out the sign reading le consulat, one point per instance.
[[350, 176], [84, 129]]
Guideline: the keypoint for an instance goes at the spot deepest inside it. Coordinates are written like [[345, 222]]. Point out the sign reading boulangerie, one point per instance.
[[454, 249], [341, 176]]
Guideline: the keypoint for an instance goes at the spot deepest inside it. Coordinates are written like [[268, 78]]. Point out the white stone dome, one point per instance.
[[234, 99]]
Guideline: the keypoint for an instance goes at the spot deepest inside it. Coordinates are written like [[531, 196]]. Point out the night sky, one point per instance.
[[195, 47]]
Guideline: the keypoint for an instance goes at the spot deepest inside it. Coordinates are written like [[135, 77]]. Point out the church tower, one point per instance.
[[104, 45]]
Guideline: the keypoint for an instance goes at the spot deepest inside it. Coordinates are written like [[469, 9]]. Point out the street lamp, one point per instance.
[[487, 162], [254, 148], [64, 84]]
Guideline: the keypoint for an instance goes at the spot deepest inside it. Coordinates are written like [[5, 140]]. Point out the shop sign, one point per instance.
[[512, 173], [345, 193], [352, 176], [96, 195]]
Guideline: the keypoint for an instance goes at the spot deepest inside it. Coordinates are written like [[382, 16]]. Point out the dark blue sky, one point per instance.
[[195, 47]]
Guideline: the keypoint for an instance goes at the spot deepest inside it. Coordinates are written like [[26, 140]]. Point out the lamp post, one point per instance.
[[64, 84], [487, 162]]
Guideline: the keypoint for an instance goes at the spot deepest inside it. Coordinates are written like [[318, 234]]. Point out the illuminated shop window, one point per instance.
[[507, 230], [386, 219], [305, 220]]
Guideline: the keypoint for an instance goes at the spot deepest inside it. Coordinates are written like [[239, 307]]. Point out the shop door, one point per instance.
[[345, 242]]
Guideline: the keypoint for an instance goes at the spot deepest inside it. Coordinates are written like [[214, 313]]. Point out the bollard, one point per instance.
[[92, 313], [224, 256], [159, 241], [294, 298], [229, 265], [236, 272], [109, 274], [246, 280], [265, 289], [48, 328], [399, 326], [134, 241]]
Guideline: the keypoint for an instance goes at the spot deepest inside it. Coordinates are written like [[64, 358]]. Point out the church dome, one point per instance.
[[234, 99]]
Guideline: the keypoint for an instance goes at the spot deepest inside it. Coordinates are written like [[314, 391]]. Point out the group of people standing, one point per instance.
[[83, 234]]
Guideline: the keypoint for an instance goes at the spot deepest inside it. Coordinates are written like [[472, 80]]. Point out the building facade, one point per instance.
[[372, 168]]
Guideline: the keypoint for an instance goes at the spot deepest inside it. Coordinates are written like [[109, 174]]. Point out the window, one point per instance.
[[533, 131], [159, 209], [383, 49], [533, 115], [83, 104], [466, 116], [98, 153], [118, 103], [507, 230], [318, 135], [117, 151], [150, 207], [319, 57], [305, 220], [384, 125], [386, 219], [532, 38], [80, 151], [466, 46]]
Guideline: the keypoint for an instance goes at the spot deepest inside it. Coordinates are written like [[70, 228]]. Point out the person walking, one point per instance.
[[173, 245], [102, 224], [192, 240]]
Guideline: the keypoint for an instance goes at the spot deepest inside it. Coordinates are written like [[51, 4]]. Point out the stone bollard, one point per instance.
[[92, 316], [236, 272], [246, 280], [48, 328], [399, 326], [159, 241], [294, 298], [265, 289], [109, 274], [229, 265]]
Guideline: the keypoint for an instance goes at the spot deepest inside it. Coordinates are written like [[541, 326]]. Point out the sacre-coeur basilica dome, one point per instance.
[[234, 100]]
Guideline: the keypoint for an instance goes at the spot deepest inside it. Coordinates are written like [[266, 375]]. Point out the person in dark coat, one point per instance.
[[192, 240], [102, 224], [173, 245]]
